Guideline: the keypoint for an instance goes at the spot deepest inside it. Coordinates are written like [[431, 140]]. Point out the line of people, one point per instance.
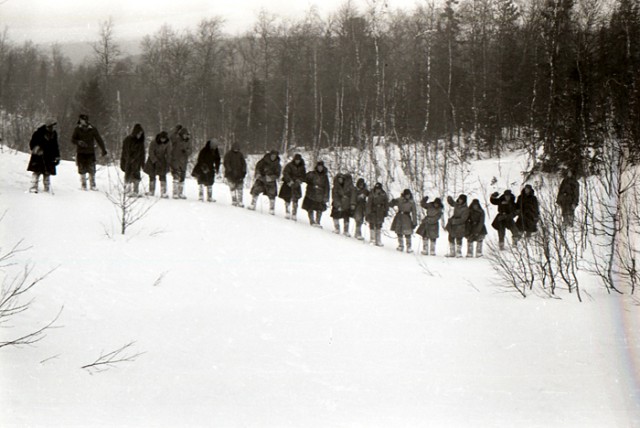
[[170, 152]]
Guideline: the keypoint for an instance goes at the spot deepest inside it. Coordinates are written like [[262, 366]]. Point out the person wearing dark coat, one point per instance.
[[568, 198], [235, 170], [132, 159], [205, 170], [291, 190], [157, 164], [268, 171], [376, 211], [528, 211], [405, 220], [457, 224], [180, 153], [359, 212], [476, 229], [45, 155], [85, 136], [343, 202], [429, 227], [317, 194], [507, 210]]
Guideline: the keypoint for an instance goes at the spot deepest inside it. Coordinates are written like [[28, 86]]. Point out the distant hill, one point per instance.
[[79, 51]]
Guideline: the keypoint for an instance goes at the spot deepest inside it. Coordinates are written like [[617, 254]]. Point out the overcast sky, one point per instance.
[[44, 21]]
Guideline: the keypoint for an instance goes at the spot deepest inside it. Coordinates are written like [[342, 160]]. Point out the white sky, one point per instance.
[[44, 21]]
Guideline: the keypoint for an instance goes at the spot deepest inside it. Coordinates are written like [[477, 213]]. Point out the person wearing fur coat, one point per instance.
[[405, 220]]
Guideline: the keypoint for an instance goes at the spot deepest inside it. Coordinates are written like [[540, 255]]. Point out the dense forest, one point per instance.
[[560, 77]]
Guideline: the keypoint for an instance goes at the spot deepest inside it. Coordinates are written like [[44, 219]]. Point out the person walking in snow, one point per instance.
[[180, 152], [503, 221], [405, 220], [343, 202], [205, 170], [267, 173], [317, 194], [359, 212], [528, 211], [376, 211], [235, 170], [45, 155], [132, 159], [429, 227], [476, 229], [568, 198], [157, 164], [85, 136], [457, 224], [293, 176]]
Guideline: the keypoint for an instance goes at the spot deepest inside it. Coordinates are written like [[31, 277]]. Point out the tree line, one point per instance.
[[559, 77]]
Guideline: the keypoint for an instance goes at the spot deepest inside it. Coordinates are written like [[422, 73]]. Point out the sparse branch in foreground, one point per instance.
[[33, 337], [111, 359]]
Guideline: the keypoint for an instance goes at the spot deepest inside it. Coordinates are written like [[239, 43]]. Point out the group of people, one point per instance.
[[170, 152]]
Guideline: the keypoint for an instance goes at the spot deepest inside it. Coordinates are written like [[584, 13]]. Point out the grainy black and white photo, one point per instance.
[[337, 213]]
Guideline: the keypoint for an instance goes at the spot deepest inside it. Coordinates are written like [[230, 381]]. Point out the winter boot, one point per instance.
[[35, 178], [372, 236], [83, 181], [312, 220], [318, 218], [239, 198], [287, 210], [425, 247], [201, 192], [136, 189], [408, 239], [163, 190], [432, 247], [358, 232], [294, 211], [479, 249], [400, 243], [272, 206], [254, 201], [210, 194], [46, 182], [452, 249], [181, 194], [345, 228], [152, 187], [379, 238], [336, 226], [458, 250], [501, 245], [92, 182], [469, 249], [176, 189]]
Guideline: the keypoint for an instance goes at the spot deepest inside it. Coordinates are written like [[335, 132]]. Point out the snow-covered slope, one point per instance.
[[246, 319]]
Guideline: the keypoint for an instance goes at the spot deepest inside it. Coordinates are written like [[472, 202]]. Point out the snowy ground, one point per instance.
[[246, 319]]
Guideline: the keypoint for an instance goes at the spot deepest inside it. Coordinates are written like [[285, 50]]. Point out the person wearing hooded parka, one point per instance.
[[317, 194], [377, 209], [205, 170], [507, 210], [359, 212], [45, 155], [429, 227], [528, 211], [568, 198], [180, 153], [235, 170], [293, 176], [476, 229], [157, 164], [457, 224], [343, 202], [132, 159], [405, 220], [268, 171]]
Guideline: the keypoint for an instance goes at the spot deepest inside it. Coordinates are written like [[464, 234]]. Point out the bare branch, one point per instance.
[[111, 359]]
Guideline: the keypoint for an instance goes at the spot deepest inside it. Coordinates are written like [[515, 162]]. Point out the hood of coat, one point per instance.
[[162, 138], [267, 156], [320, 165], [361, 184], [298, 160], [475, 205], [137, 130], [528, 191]]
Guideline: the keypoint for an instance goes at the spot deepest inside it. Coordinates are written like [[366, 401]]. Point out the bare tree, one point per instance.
[[111, 359], [129, 208]]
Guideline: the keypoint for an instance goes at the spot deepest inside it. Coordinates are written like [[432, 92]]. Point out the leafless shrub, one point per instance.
[[111, 359], [129, 208]]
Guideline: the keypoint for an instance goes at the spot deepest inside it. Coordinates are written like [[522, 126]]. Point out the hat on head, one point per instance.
[[50, 122], [462, 198], [320, 163], [437, 201], [407, 193], [378, 186], [508, 192], [84, 117], [297, 156], [360, 182]]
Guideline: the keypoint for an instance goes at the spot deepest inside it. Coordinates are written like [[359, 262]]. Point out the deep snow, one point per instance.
[[246, 319]]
